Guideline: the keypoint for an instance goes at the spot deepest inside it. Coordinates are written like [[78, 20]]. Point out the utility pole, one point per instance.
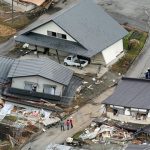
[[12, 12]]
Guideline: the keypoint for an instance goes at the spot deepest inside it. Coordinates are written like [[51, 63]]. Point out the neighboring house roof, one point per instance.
[[5, 65], [89, 25], [138, 147], [131, 92], [46, 68], [36, 2]]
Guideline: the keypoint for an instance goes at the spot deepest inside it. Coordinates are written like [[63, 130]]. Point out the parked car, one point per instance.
[[73, 60]]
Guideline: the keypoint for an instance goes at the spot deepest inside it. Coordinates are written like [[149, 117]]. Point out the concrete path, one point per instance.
[[82, 118]]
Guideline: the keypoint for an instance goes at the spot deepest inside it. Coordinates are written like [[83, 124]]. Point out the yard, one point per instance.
[[8, 27], [133, 44]]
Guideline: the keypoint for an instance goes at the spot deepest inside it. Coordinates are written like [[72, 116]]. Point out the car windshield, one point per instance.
[[77, 61], [69, 58]]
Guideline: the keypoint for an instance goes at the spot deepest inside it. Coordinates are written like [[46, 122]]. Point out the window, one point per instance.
[[61, 36], [69, 58], [115, 112], [49, 89], [30, 86], [58, 35], [64, 36], [54, 34], [51, 33]]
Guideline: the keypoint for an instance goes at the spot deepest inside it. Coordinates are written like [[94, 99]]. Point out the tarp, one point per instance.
[[6, 110], [36, 2], [90, 135], [50, 121]]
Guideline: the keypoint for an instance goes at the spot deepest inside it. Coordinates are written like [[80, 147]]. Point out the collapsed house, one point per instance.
[[27, 5], [130, 101], [83, 29], [43, 78]]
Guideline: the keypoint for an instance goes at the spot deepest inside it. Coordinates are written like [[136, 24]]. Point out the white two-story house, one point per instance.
[[83, 29]]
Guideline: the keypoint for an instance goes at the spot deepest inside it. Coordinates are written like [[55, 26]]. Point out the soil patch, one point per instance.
[[6, 30]]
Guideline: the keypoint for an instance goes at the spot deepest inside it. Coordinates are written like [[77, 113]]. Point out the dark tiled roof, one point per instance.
[[131, 92], [46, 68]]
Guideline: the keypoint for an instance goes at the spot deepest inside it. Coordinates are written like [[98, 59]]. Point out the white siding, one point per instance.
[[19, 83], [51, 26], [111, 53]]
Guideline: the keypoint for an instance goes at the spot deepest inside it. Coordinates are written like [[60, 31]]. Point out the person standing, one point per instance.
[[68, 124], [62, 125], [71, 122]]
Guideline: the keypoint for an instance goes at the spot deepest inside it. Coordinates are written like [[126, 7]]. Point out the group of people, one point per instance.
[[68, 123]]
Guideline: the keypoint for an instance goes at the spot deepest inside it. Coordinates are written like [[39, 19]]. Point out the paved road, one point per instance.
[[82, 118]]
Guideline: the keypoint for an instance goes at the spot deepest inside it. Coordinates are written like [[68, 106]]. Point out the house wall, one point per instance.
[[51, 26], [128, 115], [124, 118], [113, 53], [22, 6], [19, 83]]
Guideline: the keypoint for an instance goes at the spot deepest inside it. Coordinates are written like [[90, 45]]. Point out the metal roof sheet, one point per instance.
[[42, 67], [5, 65], [131, 92]]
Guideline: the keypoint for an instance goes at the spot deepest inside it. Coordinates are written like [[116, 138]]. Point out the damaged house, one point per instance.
[[42, 78], [26, 5], [130, 102], [83, 29]]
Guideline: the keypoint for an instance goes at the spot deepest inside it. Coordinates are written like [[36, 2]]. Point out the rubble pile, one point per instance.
[[23, 121], [104, 134], [105, 131]]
